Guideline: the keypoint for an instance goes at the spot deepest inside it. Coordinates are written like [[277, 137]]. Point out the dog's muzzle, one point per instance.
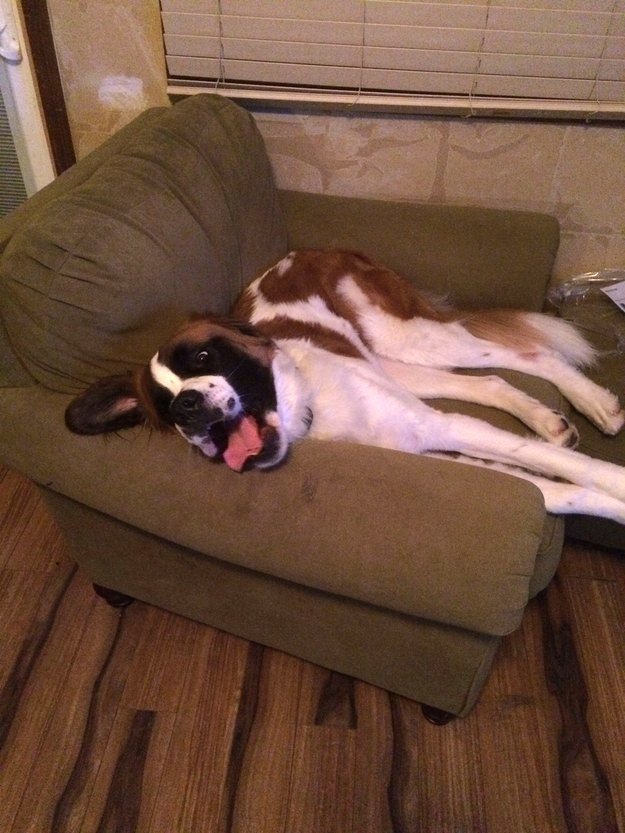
[[190, 409]]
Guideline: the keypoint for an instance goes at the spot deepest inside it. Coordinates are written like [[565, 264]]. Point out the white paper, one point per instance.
[[616, 292]]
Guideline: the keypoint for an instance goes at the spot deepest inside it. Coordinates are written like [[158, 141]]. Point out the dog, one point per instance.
[[331, 345]]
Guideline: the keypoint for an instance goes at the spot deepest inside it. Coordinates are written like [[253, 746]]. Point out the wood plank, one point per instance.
[[147, 722], [373, 760], [20, 595], [586, 797], [443, 772], [192, 793], [322, 786], [29, 537], [97, 812], [518, 720], [124, 800], [37, 684], [324, 754], [581, 560], [28, 553], [24, 642], [601, 658], [61, 738], [167, 653], [101, 705], [18, 501], [263, 794], [125, 789]]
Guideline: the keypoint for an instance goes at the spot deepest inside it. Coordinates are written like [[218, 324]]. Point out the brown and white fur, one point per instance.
[[329, 344]]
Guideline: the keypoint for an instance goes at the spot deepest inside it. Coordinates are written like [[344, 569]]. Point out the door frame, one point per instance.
[[33, 94]]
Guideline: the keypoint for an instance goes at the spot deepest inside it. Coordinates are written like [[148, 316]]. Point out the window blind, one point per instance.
[[554, 58]]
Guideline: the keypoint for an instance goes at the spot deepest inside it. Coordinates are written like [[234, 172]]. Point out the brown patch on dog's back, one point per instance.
[[395, 295], [281, 327], [303, 274], [309, 273]]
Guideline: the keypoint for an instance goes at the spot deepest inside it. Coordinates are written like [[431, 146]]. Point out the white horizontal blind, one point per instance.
[[557, 57]]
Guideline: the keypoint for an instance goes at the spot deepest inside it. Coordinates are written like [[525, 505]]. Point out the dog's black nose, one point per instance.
[[189, 400], [186, 406]]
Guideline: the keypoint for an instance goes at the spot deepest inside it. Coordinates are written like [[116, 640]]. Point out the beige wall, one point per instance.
[[111, 62], [576, 172]]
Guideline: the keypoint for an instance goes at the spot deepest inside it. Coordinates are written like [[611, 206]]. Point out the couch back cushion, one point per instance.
[[174, 223], [472, 255]]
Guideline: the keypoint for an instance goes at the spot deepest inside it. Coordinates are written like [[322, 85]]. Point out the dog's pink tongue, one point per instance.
[[243, 441]]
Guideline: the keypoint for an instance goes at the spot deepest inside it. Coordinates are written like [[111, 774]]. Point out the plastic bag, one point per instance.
[[582, 300]]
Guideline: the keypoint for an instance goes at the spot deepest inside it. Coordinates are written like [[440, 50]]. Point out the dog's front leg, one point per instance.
[[455, 432]]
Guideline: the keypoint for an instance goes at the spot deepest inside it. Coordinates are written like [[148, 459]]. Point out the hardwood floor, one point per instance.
[[138, 720]]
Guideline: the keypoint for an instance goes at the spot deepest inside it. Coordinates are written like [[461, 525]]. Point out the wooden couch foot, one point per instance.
[[113, 597], [436, 716]]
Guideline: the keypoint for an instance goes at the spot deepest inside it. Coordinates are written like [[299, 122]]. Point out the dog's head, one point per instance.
[[212, 381]]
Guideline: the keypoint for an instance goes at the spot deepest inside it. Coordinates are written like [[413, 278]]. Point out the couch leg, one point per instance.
[[436, 716], [113, 597]]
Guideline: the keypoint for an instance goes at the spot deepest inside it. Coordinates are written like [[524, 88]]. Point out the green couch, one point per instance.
[[400, 570]]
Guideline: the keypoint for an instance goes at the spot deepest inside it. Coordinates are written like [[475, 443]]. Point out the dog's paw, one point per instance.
[[607, 414], [559, 431], [615, 423]]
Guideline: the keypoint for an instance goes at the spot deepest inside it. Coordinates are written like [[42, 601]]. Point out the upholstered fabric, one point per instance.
[[429, 662], [162, 229], [475, 257]]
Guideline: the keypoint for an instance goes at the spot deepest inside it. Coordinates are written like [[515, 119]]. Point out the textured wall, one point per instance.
[[576, 172], [111, 62]]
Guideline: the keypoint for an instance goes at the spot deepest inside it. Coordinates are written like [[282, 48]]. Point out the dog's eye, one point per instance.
[[201, 357]]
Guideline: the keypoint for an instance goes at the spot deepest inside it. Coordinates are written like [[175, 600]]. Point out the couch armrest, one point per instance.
[[410, 534], [476, 256]]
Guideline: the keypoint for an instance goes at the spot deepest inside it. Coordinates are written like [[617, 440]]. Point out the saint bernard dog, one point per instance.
[[331, 345]]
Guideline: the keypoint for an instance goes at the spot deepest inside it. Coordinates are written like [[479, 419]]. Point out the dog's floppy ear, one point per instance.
[[108, 405]]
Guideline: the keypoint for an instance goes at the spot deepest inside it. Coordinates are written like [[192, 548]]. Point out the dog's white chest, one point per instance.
[[350, 398]]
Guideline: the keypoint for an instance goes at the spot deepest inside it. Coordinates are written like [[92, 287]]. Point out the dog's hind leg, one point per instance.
[[533, 343], [445, 345], [435, 431], [601, 406], [493, 391], [560, 498]]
